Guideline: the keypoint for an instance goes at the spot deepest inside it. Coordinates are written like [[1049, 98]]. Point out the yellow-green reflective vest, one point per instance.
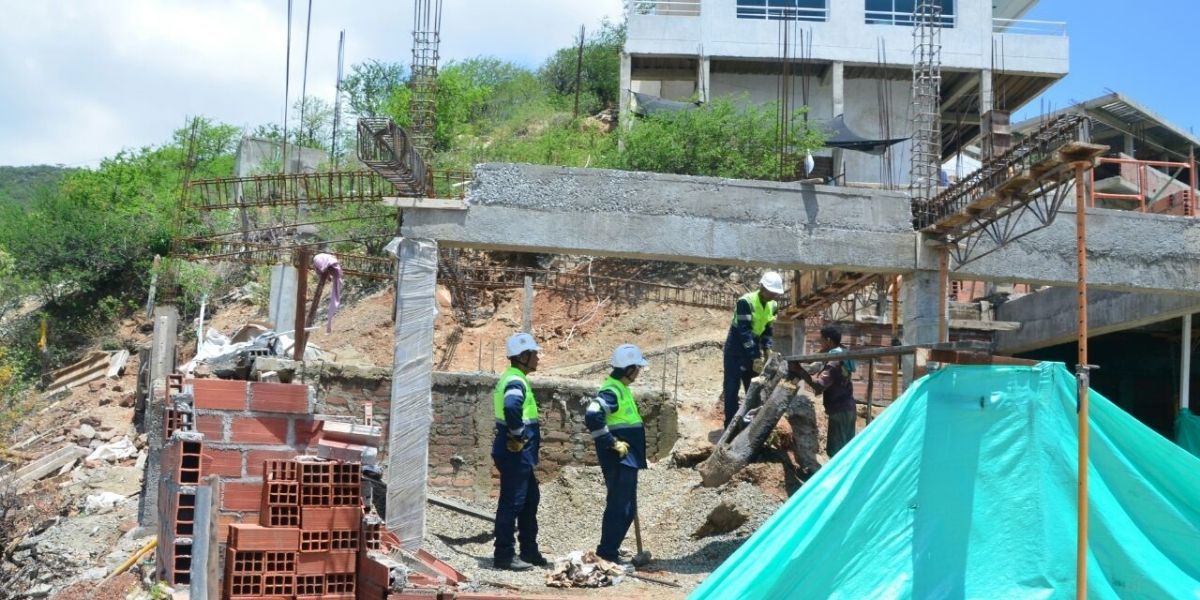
[[529, 411], [627, 414], [761, 314]]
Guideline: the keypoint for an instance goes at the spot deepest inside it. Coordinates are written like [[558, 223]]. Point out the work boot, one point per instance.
[[512, 564], [535, 559]]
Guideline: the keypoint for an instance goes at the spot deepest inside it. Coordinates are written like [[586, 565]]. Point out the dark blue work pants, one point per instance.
[[516, 508], [737, 378], [620, 506]]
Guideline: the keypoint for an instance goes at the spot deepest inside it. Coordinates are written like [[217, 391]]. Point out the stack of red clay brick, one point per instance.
[[308, 540]]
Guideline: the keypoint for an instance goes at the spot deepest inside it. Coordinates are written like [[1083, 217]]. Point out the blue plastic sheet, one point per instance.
[[966, 488], [1187, 432]]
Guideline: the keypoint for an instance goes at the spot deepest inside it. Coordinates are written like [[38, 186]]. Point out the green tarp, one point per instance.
[[1187, 432], [966, 488]]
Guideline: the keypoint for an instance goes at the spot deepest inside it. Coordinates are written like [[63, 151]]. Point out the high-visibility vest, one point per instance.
[[627, 414], [761, 314], [529, 409]]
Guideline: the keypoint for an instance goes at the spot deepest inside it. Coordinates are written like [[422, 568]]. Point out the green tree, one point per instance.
[[723, 139], [370, 85], [600, 76]]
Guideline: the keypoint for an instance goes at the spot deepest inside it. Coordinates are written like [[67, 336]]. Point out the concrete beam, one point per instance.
[[1048, 317], [527, 208]]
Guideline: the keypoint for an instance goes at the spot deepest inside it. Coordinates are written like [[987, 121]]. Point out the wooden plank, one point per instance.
[[116, 364], [428, 203], [44, 466]]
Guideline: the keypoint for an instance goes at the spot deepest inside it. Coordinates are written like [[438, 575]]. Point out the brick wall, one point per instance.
[[460, 461]]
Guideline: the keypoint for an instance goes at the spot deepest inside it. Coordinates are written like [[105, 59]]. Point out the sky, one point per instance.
[[83, 79]]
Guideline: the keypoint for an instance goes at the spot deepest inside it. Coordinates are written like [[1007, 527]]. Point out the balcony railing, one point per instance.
[[665, 8], [1030, 27], [889, 17], [750, 9]]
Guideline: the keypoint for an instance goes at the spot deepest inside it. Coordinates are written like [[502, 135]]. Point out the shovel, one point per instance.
[[642, 558]]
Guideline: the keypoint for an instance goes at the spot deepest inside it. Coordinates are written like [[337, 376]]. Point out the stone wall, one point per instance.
[[460, 461]]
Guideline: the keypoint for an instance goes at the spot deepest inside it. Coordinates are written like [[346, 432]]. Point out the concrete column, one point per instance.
[[527, 306], [919, 298], [281, 307], [1185, 365], [624, 116], [162, 363], [1129, 147], [703, 79], [411, 410], [838, 79], [985, 92]]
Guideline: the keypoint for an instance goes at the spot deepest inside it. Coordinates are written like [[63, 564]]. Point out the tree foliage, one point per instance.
[[370, 85], [600, 74], [723, 139]]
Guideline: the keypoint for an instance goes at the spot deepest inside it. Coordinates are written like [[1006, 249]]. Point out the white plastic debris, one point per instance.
[[120, 449], [102, 501]]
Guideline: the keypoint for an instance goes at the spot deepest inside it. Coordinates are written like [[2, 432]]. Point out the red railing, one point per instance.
[[1152, 197]]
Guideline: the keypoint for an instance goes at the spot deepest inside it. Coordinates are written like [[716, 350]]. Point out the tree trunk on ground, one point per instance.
[[808, 444], [764, 383], [730, 456]]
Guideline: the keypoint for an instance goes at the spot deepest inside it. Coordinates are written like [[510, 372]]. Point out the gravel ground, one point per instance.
[[672, 507]]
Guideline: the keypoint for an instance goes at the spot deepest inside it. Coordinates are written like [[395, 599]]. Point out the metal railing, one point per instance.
[[663, 8], [1029, 27], [1165, 195], [388, 150], [891, 17], [749, 9]]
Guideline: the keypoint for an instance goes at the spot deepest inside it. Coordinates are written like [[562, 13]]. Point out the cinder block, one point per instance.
[[314, 540], [281, 493], [279, 398], [307, 430], [339, 583], [310, 586], [279, 584], [219, 394], [212, 426], [241, 495], [225, 519], [279, 562], [260, 430], [316, 472], [346, 495], [335, 450], [271, 465], [281, 516], [245, 536], [343, 540], [338, 517], [244, 562], [226, 463], [346, 473], [373, 572], [316, 495]]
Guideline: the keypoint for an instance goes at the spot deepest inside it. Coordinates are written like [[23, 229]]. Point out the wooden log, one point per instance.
[[729, 458], [775, 369], [804, 415]]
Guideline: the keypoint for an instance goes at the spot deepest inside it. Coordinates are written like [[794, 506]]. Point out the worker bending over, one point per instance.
[[515, 452], [832, 381], [748, 344], [616, 427]]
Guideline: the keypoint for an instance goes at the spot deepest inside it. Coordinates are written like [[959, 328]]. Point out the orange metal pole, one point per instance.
[[895, 334], [943, 293], [1142, 191], [1081, 548]]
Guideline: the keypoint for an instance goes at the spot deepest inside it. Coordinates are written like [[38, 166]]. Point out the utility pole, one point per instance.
[[579, 71]]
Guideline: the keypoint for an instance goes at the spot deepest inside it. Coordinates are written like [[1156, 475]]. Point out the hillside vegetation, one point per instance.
[[79, 243]]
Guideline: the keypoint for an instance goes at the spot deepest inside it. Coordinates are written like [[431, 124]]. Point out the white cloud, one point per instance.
[[80, 80]]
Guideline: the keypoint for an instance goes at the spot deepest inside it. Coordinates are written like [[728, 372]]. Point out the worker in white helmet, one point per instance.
[[515, 452], [748, 344], [616, 427]]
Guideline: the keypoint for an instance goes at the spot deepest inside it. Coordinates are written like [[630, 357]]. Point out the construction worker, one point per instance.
[[748, 345], [515, 452], [832, 381], [616, 426]]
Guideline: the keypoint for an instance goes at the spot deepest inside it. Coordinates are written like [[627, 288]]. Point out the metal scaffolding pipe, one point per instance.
[[1081, 533], [1185, 365]]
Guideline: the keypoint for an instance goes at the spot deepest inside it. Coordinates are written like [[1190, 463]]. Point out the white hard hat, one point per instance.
[[773, 281], [520, 342], [627, 355]]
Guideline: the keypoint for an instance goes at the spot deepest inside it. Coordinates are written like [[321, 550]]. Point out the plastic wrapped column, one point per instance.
[[412, 375]]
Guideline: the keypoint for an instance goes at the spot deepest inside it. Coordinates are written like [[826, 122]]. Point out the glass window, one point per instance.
[[900, 12], [783, 10]]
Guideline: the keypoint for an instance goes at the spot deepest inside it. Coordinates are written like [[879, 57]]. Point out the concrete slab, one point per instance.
[[787, 226]]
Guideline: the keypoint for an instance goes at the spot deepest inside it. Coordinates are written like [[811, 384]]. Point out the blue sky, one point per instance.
[[1145, 50]]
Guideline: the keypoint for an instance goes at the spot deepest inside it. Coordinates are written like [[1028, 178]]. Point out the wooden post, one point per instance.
[[301, 297], [312, 309], [870, 389], [579, 71], [1081, 533]]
